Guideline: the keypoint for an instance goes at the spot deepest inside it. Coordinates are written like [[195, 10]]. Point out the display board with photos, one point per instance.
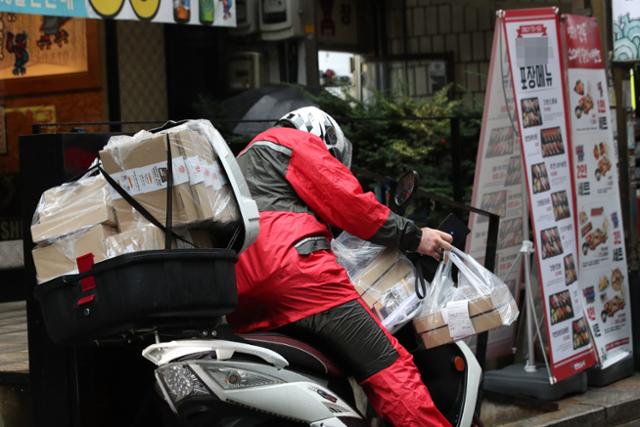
[[533, 46], [602, 261], [498, 187]]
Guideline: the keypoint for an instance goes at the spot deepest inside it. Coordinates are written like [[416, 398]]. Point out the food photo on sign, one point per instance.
[[580, 333], [603, 164], [540, 178], [514, 172], [552, 144], [560, 205], [510, 233], [495, 203], [501, 142], [531, 115], [611, 294], [560, 307], [585, 104], [594, 230], [551, 242], [570, 273]]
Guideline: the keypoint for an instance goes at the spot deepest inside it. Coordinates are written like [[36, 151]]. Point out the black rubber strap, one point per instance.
[[169, 207], [138, 207]]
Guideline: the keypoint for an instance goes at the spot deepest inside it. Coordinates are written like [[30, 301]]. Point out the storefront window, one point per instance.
[[40, 46]]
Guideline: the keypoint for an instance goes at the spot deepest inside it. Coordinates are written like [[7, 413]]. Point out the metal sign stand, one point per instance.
[[531, 380]]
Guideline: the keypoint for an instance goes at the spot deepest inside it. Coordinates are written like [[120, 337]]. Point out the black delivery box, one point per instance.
[[138, 290]]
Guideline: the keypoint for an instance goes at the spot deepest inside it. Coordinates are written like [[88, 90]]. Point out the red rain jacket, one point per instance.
[[289, 272]]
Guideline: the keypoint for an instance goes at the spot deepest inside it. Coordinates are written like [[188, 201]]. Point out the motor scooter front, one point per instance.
[[221, 383], [229, 383], [246, 381]]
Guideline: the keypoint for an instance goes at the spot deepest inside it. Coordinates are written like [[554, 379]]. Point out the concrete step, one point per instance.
[[14, 365], [612, 405]]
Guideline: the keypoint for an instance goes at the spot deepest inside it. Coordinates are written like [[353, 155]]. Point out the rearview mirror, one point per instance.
[[405, 188]]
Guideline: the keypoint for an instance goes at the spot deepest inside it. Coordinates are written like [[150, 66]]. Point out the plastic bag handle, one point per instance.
[[421, 283], [473, 263], [472, 277]]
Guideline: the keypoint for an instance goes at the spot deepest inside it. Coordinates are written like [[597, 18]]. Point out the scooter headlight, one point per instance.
[[234, 378], [180, 382]]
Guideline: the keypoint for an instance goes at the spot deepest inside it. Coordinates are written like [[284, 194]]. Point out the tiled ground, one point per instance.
[[14, 355]]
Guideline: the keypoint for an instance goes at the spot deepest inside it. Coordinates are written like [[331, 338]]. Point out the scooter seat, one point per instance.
[[299, 354]]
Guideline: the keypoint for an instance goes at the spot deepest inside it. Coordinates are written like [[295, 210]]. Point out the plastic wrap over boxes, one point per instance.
[[89, 216]]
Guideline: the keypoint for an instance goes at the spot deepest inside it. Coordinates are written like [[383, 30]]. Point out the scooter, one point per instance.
[[269, 379]]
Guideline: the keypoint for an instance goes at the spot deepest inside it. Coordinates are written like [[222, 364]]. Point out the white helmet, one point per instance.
[[319, 123]]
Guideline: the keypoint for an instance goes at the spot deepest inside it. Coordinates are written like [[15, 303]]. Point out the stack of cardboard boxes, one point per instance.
[[88, 216]]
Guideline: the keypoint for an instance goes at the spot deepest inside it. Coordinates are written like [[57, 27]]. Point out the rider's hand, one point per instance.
[[434, 242]]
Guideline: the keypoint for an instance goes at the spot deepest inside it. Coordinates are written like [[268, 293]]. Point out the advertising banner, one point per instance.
[[219, 13], [602, 262], [533, 49], [498, 185], [626, 30]]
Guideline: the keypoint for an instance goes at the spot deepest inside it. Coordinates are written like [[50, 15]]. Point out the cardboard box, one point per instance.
[[199, 157], [387, 283], [209, 184], [148, 237], [67, 208], [145, 238], [59, 258], [384, 272], [140, 166], [434, 331]]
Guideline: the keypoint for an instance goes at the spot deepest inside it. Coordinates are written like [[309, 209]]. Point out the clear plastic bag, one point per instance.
[[70, 207], [59, 257], [201, 193], [383, 277], [219, 203], [479, 302]]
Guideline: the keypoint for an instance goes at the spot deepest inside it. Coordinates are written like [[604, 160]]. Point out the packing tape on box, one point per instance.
[[196, 170], [214, 176], [202, 171], [150, 178]]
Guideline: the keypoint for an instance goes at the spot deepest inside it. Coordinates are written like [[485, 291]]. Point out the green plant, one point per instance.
[[394, 134]]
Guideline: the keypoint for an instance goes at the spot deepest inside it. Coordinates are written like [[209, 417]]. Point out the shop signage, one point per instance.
[[602, 262], [533, 49], [337, 22], [626, 27], [498, 186], [220, 13], [10, 229]]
